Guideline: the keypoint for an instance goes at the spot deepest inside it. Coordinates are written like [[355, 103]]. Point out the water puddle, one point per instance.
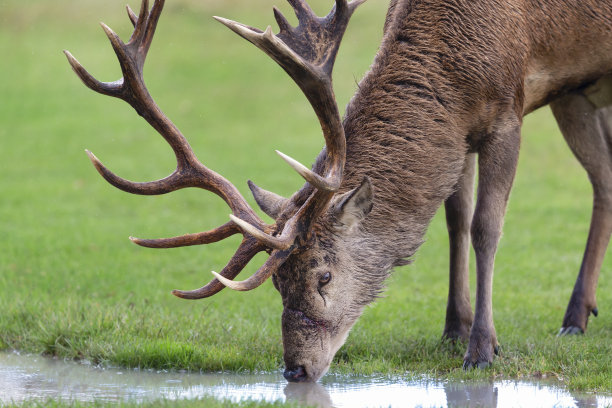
[[26, 378]]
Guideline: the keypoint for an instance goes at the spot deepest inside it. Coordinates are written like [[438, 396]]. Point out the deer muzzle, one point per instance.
[[306, 347]]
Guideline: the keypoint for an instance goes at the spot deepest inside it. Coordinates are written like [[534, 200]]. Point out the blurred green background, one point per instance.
[[72, 285]]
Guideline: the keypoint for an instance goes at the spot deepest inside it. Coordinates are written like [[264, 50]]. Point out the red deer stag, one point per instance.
[[452, 80]]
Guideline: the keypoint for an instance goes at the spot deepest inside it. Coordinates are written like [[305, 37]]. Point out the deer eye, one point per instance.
[[324, 280]]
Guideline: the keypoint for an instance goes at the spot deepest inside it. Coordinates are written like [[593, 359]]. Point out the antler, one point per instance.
[[307, 53], [190, 172]]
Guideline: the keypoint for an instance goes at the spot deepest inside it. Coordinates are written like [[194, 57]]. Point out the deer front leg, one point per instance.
[[497, 158], [459, 209]]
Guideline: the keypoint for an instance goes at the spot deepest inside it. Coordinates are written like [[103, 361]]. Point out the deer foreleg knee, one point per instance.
[[485, 232]]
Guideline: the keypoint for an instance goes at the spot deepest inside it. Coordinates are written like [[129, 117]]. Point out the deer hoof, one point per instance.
[[468, 365], [481, 361], [570, 331], [481, 350]]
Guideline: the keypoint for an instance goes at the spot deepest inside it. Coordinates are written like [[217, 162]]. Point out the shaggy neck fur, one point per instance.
[[405, 138]]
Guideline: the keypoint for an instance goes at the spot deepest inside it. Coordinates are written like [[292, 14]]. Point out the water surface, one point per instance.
[[24, 378]]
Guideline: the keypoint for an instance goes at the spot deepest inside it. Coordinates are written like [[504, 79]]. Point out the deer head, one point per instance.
[[313, 245]]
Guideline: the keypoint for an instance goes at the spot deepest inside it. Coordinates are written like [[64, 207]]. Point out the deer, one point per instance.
[[446, 93]]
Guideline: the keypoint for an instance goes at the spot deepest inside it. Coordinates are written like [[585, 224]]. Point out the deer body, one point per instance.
[[432, 97], [452, 80]]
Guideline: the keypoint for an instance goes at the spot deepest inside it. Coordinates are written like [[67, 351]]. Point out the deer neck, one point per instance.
[[407, 135]]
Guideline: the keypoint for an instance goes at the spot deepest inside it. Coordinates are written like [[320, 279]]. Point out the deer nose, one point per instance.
[[295, 375]]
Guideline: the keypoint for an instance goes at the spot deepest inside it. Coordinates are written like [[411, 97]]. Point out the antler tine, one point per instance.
[[355, 3], [174, 181], [105, 88], [133, 17], [142, 16], [276, 259], [302, 10], [310, 176], [151, 24], [208, 237], [267, 239], [348, 7], [282, 22], [248, 248]]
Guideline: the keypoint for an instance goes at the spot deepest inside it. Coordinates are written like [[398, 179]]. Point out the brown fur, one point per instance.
[[451, 78]]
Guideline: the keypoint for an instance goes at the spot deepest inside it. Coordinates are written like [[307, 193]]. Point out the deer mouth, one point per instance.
[[296, 375]]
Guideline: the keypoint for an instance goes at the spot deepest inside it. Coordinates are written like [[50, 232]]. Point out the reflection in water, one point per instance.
[[24, 378], [472, 395], [308, 394]]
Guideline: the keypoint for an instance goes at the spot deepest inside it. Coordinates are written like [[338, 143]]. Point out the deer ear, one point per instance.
[[355, 205], [269, 202]]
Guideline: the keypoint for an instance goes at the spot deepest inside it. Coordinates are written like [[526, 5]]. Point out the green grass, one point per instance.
[[73, 286]]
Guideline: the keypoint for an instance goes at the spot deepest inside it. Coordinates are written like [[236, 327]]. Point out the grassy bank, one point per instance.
[[73, 286]]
